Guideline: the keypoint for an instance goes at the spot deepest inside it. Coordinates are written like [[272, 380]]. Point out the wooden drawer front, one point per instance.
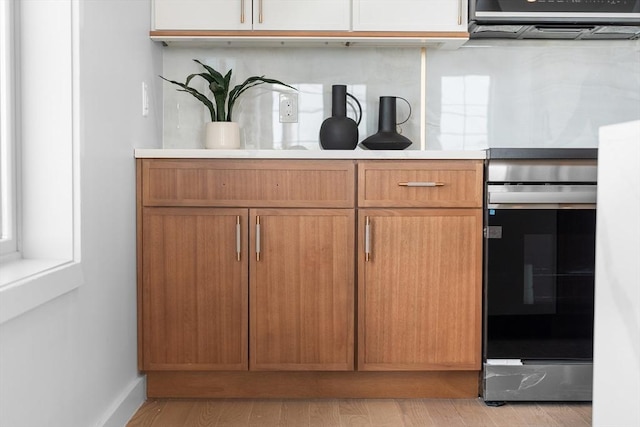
[[246, 183], [384, 183]]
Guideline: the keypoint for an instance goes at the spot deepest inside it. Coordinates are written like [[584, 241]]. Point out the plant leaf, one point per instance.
[[199, 96], [213, 73], [248, 84], [220, 96], [205, 76], [219, 87]]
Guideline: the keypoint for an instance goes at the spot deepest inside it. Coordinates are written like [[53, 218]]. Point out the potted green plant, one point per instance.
[[221, 132]]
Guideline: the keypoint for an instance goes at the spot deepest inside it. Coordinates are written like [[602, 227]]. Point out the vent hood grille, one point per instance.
[[554, 31], [555, 19]]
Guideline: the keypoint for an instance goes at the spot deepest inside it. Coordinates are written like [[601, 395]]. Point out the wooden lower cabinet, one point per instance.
[[248, 287], [195, 286], [419, 289], [302, 290], [194, 289]]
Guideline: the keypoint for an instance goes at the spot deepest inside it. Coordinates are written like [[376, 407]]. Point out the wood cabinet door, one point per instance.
[[410, 15], [202, 14], [302, 289], [194, 289], [419, 289]]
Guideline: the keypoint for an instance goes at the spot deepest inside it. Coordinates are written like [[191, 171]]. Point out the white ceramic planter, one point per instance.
[[222, 135]]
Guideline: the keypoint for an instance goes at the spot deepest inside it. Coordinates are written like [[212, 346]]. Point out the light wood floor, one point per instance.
[[357, 412]]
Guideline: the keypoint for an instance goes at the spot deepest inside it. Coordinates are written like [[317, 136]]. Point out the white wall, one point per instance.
[[72, 362], [616, 347]]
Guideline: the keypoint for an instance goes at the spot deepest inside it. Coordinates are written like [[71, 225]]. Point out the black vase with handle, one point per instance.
[[387, 137], [340, 132]]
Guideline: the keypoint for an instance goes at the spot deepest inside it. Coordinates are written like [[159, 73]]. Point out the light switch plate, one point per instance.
[[145, 99]]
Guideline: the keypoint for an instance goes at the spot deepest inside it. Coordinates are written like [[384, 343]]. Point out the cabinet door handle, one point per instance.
[[367, 239], [260, 11], [257, 238], [421, 184], [238, 239], [242, 11], [459, 12]]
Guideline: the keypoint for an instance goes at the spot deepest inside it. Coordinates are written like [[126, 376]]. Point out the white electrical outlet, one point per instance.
[[288, 108]]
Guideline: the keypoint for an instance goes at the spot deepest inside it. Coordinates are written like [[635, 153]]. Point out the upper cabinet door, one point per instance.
[[410, 15], [275, 15], [202, 14], [312, 15]]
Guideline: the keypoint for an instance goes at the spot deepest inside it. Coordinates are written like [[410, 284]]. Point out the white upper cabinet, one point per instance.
[[410, 15], [440, 24], [312, 15], [275, 15], [202, 14]]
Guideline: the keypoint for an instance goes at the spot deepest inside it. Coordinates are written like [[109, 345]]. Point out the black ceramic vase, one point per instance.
[[387, 137], [340, 132]]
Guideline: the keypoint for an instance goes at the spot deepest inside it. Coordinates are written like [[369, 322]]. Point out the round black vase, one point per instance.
[[339, 132]]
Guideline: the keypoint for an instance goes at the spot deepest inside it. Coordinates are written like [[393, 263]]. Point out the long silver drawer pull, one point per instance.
[[257, 238], [238, 239], [367, 239], [242, 11], [260, 11], [421, 184], [459, 12]]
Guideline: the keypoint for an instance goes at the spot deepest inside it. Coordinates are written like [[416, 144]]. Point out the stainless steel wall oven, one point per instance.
[[539, 274]]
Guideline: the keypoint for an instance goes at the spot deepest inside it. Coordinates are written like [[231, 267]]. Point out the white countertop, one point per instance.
[[307, 154]]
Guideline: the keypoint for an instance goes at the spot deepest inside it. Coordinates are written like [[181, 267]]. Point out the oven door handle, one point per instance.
[[529, 194]]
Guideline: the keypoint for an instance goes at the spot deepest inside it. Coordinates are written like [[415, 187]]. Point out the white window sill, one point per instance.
[[26, 284]]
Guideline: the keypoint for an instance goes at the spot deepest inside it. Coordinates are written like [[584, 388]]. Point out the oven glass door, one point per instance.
[[540, 284]]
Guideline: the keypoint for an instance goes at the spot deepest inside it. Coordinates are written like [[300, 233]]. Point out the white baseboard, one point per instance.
[[126, 405]]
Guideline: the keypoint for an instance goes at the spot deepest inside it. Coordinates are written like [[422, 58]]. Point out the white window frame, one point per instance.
[[8, 156], [48, 180]]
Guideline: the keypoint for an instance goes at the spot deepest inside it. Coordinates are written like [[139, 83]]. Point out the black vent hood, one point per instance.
[[555, 19]]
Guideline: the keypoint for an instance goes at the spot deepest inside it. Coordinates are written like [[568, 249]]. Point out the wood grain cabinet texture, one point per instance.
[[194, 289], [249, 266], [302, 290], [419, 295], [197, 252], [419, 275]]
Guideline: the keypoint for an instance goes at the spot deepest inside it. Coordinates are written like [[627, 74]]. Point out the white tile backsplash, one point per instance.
[[368, 73], [485, 94], [530, 93]]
